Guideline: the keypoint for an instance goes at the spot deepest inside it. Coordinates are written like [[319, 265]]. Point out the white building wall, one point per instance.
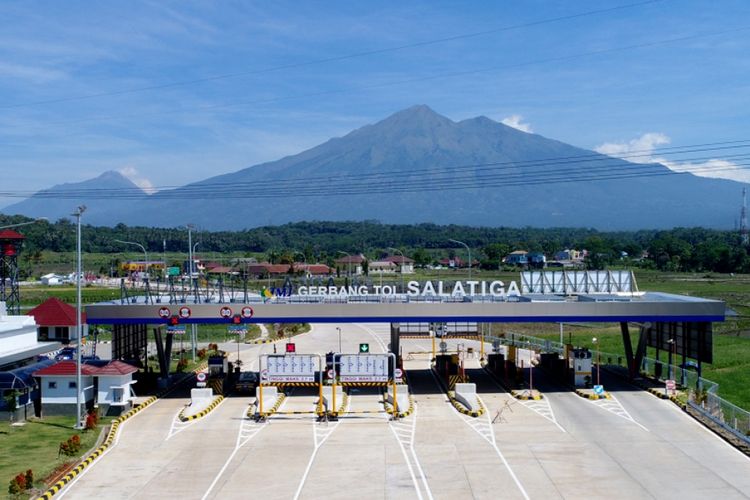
[[63, 393], [106, 384]]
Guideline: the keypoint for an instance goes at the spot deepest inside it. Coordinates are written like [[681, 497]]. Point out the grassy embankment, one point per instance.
[[35, 445]]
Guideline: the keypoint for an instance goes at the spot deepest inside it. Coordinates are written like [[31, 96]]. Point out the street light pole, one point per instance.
[[339, 330], [145, 255], [79, 327], [403, 290], [669, 363], [596, 342], [467, 249], [193, 334]]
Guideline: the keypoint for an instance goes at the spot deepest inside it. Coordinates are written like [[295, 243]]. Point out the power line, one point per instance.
[[577, 169], [281, 67]]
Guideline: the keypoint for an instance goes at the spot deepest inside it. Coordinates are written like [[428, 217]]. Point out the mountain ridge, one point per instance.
[[418, 166]]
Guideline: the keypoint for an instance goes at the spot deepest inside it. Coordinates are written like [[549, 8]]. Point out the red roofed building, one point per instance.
[[56, 320], [108, 386]]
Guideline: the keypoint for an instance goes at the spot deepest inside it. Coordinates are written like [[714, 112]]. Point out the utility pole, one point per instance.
[[79, 327]]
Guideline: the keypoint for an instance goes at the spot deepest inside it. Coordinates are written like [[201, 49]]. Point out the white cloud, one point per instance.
[[641, 150], [135, 177], [516, 122], [638, 150]]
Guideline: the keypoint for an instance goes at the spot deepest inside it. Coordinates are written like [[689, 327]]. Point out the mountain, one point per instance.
[[61, 200], [419, 166]]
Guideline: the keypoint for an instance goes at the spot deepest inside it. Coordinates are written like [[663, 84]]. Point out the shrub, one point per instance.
[[13, 487], [20, 479], [29, 478], [72, 446], [182, 364], [202, 353]]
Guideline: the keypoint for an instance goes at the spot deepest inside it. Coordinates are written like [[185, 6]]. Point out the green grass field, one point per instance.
[[34, 445]]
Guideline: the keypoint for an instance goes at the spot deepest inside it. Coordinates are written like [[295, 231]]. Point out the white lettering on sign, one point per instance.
[[416, 289], [363, 367], [291, 368]]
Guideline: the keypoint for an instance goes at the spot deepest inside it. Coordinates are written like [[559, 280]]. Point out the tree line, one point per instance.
[[679, 249]]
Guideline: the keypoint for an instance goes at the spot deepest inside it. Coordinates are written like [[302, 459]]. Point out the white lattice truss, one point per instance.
[[572, 282]]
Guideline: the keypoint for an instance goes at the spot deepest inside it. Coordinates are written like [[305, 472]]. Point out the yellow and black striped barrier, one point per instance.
[[592, 396], [281, 396], [526, 395], [201, 413], [401, 414], [263, 341], [363, 384], [462, 409], [456, 379], [292, 384]]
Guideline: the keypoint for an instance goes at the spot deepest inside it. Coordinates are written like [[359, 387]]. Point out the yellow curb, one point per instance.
[[202, 413], [461, 408], [389, 407], [273, 409]]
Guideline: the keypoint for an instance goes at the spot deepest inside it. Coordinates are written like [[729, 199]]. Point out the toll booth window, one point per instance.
[[71, 385], [52, 385]]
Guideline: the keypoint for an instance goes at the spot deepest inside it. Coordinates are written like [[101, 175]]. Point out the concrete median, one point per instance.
[[270, 397], [200, 399], [466, 394], [402, 396]]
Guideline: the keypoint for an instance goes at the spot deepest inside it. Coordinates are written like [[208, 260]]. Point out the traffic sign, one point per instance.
[[264, 374], [290, 347], [363, 367], [185, 312], [671, 385], [291, 368], [225, 312], [364, 348], [330, 373], [598, 390], [176, 329], [164, 312], [201, 376], [443, 346], [247, 312], [398, 373]]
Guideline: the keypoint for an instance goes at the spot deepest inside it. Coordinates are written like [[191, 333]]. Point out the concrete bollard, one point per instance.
[[466, 394]]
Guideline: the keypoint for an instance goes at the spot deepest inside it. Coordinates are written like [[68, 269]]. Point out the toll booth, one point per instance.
[[581, 360], [218, 365]]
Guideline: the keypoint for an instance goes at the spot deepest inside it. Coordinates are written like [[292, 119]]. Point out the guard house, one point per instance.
[[114, 383], [57, 320], [58, 386]]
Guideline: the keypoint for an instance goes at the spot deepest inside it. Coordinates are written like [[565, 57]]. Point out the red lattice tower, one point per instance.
[[10, 244]]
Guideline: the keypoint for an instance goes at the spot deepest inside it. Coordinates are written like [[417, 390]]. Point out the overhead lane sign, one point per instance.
[[291, 368], [363, 368]]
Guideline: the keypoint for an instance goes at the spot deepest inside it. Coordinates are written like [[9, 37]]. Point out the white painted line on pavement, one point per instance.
[[243, 437], [326, 433], [398, 426], [614, 406], [68, 486], [706, 429], [383, 345]]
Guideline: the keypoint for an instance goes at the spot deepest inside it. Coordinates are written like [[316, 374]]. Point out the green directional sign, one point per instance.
[[364, 348]]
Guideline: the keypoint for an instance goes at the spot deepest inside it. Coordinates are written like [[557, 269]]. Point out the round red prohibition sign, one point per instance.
[[201, 376], [164, 312], [226, 312], [247, 312], [184, 312]]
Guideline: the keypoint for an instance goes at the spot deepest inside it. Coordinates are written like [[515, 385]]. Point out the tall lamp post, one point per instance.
[[596, 343], [467, 249], [145, 255], [349, 263], [669, 363], [79, 327], [338, 329], [193, 334], [402, 266]]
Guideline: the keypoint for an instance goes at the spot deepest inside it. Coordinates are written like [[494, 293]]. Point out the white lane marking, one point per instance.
[[543, 408], [487, 432], [706, 429], [321, 432], [404, 434], [248, 430], [383, 345], [612, 405], [63, 492], [179, 426]]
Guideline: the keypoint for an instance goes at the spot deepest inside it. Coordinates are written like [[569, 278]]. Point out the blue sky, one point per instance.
[[174, 92]]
